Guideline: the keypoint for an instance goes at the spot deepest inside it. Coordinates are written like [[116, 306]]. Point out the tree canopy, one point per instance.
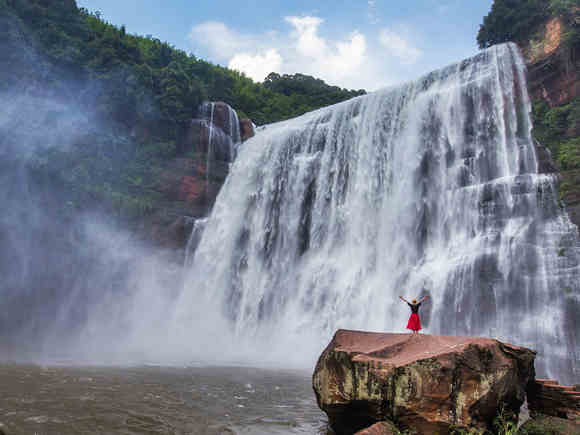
[[142, 76], [511, 20], [518, 20]]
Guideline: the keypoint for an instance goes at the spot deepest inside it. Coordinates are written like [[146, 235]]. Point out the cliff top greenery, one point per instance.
[[519, 20]]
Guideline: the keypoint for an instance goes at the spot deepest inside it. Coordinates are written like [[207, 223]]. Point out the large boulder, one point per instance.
[[421, 382]]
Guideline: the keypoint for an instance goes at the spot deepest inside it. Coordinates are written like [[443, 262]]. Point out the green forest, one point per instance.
[[142, 74]]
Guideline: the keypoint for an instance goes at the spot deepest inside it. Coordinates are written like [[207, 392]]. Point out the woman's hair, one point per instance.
[[414, 301]]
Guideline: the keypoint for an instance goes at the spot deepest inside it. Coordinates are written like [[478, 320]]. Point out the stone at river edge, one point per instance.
[[426, 383]]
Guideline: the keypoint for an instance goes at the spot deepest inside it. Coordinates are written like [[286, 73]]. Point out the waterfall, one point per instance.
[[235, 133], [222, 131], [431, 188], [193, 241], [205, 108]]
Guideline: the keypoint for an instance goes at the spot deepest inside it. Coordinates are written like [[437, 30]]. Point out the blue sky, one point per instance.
[[358, 44]]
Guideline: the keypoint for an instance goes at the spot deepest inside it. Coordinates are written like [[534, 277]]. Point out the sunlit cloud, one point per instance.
[[257, 66], [399, 47], [354, 60], [308, 42]]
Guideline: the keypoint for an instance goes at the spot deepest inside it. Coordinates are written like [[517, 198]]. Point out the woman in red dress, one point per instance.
[[414, 323]]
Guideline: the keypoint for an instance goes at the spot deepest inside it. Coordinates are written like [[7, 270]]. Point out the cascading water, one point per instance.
[[209, 156], [427, 188], [222, 141], [193, 241]]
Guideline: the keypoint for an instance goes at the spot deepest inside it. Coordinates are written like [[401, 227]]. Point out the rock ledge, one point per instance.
[[422, 382]]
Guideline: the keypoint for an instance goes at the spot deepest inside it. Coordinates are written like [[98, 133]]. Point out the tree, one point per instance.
[[511, 20]]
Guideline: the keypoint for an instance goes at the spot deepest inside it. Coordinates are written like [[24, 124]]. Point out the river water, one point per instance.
[[157, 400]]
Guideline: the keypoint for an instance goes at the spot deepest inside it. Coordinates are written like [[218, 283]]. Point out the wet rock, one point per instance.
[[215, 133], [247, 129], [420, 382], [226, 118], [380, 428], [571, 194], [546, 163]]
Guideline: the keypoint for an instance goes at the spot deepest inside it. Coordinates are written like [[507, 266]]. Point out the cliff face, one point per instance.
[[552, 67], [189, 184], [553, 61]]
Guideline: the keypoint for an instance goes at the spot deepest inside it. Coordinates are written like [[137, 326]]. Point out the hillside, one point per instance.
[[144, 74], [102, 113]]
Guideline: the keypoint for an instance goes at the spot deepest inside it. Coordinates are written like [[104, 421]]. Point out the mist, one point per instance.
[[80, 285]]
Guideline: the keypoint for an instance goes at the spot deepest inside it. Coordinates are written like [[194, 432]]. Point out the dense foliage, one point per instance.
[[511, 20], [144, 74], [558, 128], [518, 20], [305, 91]]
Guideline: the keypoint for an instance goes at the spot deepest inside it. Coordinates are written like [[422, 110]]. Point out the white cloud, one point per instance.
[[354, 60], [334, 61], [306, 35], [218, 38], [257, 66], [349, 56], [399, 46]]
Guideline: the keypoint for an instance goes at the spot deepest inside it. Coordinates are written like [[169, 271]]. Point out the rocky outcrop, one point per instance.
[[217, 131], [552, 75], [190, 184], [546, 396], [247, 129], [420, 382]]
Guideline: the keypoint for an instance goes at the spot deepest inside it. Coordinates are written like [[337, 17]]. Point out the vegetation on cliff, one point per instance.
[[557, 128], [520, 20], [142, 74]]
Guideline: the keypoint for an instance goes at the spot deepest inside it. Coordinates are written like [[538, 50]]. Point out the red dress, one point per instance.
[[414, 323]]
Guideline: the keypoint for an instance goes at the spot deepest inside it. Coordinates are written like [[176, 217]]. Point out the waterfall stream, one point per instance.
[[429, 188]]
